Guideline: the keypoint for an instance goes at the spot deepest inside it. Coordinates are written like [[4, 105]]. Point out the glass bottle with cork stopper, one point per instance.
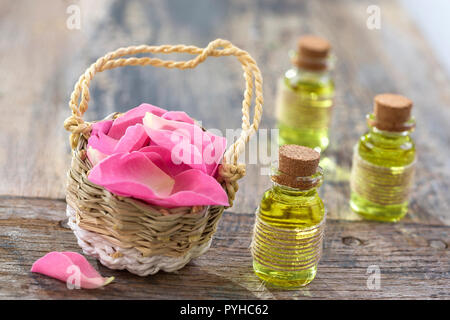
[[384, 161], [290, 221], [305, 95]]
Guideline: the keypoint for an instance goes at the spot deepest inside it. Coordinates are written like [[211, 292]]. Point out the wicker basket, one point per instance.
[[125, 233]]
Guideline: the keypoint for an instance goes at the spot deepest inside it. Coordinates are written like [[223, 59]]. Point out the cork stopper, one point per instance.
[[391, 112], [294, 163], [312, 53]]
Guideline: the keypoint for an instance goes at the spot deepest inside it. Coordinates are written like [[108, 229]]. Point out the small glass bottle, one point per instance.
[[305, 96], [384, 161], [290, 221]]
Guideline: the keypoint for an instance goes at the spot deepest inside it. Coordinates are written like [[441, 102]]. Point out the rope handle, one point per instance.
[[217, 48]]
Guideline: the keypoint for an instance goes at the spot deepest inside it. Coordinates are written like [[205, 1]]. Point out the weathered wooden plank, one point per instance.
[[413, 260], [31, 208], [44, 56]]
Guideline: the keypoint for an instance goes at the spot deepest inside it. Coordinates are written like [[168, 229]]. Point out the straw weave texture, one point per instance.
[[126, 233]]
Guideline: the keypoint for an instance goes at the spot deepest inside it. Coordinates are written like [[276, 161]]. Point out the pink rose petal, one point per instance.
[[132, 117], [213, 152], [101, 126], [161, 157], [102, 142], [205, 152], [132, 175], [79, 260], [192, 188], [99, 147], [134, 138], [95, 156], [136, 175], [181, 150], [186, 141], [155, 122], [70, 267], [178, 116]]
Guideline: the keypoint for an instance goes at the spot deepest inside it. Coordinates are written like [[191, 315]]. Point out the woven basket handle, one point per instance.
[[216, 48]]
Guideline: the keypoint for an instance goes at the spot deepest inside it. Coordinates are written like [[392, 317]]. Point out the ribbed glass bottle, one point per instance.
[[384, 161], [305, 96], [289, 227]]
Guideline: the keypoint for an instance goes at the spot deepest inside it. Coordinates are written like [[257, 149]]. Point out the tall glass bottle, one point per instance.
[[290, 221], [384, 161], [305, 96]]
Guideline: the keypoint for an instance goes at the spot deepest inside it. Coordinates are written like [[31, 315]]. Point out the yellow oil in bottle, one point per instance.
[[376, 193], [384, 161], [288, 234], [304, 108]]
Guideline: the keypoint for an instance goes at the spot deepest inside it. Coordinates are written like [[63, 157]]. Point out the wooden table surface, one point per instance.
[[41, 59]]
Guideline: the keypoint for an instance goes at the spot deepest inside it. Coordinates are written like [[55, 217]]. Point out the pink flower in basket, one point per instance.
[[159, 156]]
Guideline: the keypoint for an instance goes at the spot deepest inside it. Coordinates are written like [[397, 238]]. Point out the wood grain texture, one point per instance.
[[33, 98], [41, 59], [413, 260]]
